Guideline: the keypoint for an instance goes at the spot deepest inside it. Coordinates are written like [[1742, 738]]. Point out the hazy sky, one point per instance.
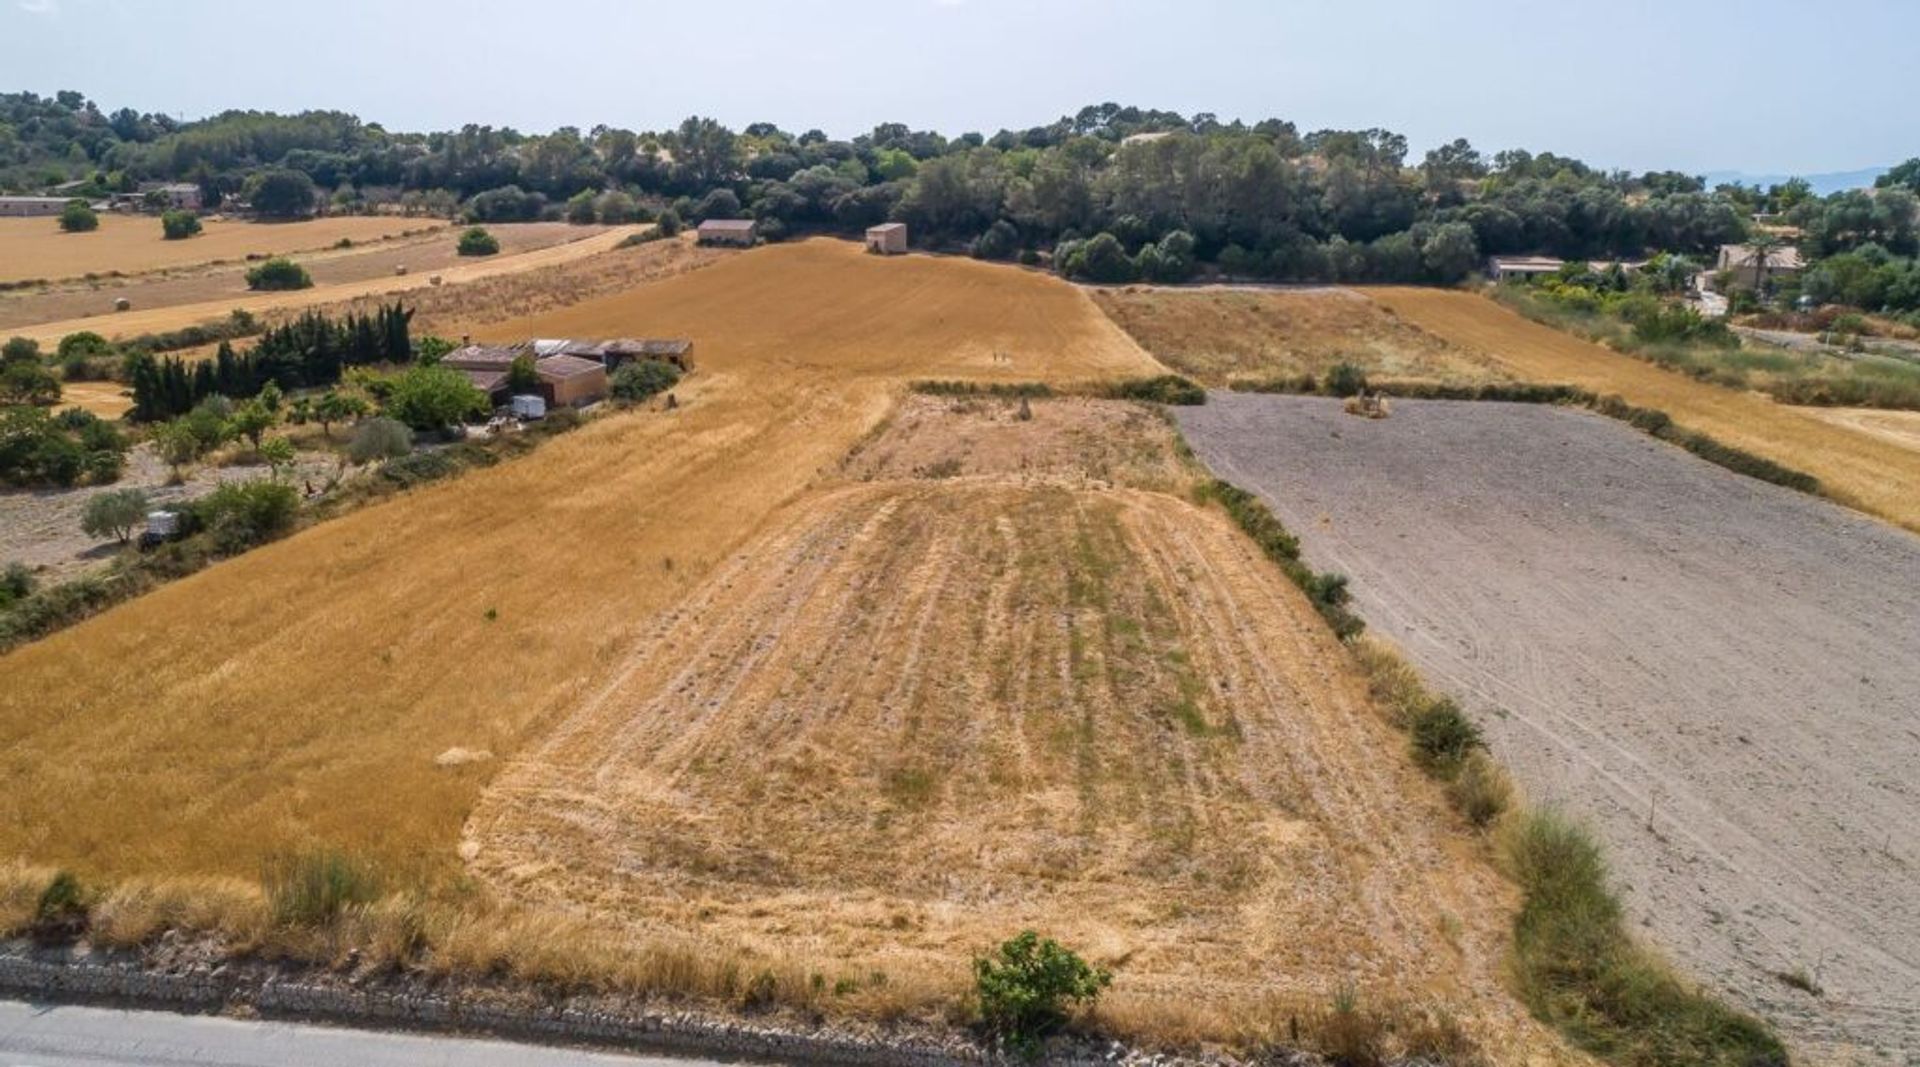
[[1761, 85]]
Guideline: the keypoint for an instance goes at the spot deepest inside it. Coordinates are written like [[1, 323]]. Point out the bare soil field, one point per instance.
[[424, 254], [1721, 674], [301, 693], [1858, 468], [999, 683], [155, 320], [1215, 335], [131, 244]]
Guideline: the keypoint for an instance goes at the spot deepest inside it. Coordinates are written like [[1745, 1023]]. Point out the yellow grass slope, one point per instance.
[[301, 693], [1867, 471], [38, 248]]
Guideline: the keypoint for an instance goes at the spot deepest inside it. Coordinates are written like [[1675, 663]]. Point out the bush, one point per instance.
[[114, 514], [1443, 737], [644, 378], [434, 398], [1345, 379], [669, 223], [1481, 792], [1028, 986], [312, 889], [77, 217], [1165, 389], [478, 242], [279, 273], [179, 225], [240, 515], [62, 907], [380, 438]]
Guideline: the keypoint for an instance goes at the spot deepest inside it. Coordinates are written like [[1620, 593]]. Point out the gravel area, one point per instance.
[[1721, 675], [41, 527]]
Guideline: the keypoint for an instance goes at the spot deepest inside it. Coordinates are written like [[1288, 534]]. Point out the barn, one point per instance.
[[32, 205], [571, 381], [727, 232], [889, 239]]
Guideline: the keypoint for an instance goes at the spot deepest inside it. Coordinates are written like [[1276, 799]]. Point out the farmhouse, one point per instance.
[[1522, 268], [677, 351], [1743, 262], [727, 232], [889, 239], [17, 206], [571, 380], [176, 196]]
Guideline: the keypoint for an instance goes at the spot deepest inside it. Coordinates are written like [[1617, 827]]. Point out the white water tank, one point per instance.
[[163, 523], [528, 407]]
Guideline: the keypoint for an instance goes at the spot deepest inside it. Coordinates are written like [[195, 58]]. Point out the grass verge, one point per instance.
[[1162, 389], [1327, 591]]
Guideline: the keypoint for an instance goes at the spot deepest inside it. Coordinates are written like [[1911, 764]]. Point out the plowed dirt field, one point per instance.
[[1860, 468]]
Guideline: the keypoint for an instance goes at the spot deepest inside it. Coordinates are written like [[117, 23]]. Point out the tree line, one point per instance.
[[312, 350]]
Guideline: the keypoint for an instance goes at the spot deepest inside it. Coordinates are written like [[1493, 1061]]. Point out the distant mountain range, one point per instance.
[[1831, 182]]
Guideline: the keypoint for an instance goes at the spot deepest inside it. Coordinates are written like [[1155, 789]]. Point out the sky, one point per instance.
[[1763, 86]]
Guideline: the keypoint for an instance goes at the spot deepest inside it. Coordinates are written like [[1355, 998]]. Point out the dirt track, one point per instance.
[[1646, 637]]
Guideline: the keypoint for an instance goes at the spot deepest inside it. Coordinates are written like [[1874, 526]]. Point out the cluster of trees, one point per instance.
[[1637, 298], [1869, 276], [24, 375], [40, 448], [310, 351]]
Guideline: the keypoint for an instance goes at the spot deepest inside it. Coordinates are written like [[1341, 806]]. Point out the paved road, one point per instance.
[[42, 1036]]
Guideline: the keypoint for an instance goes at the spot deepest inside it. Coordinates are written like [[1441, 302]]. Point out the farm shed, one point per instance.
[[889, 239], [17, 206], [570, 380], [491, 382], [480, 358], [726, 232], [1522, 268]]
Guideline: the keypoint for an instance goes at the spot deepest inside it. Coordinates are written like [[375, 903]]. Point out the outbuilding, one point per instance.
[[1744, 263], [727, 232], [571, 381], [19, 206], [622, 350], [1522, 268], [888, 239]]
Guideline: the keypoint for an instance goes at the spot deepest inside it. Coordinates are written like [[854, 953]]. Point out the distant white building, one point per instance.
[[1522, 268], [29, 206], [1743, 261], [726, 232], [889, 239]]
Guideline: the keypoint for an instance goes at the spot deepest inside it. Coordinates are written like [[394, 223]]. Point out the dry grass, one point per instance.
[[38, 248], [1216, 336], [1860, 469], [423, 254], [301, 693], [157, 320], [21, 885]]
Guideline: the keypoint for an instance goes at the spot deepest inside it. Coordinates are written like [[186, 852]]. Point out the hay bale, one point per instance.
[[400, 271], [122, 304]]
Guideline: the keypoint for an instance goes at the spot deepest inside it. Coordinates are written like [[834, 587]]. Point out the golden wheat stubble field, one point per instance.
[[38, 248], [1219, 334], [1858, 468], [1003, 678], [299, 694]]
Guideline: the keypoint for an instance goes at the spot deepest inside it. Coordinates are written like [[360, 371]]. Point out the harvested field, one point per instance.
[[425, 254], [1215, 335], [1895, 427], [156, 320], [1719, 673], [996, 684], [1862, 469], [109, 400], [131, 244], [300, 693]]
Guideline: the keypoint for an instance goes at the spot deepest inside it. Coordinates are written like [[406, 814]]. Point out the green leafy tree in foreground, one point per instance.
[[1028, 987], [335, 407], [434, 398], [380, 438], [644, 378], [77, 217], [114, 514]]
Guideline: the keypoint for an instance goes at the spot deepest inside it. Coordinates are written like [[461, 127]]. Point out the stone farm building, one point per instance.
[[1743, 263], [1522, 268], [570, 381], [889, 239], [571, 372], [727, 232], [17, 206]]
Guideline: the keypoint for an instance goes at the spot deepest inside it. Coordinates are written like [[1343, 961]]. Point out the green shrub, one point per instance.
[[1012, 390], [77, 217], [1443, 737], [179, 225], [476, 241], [279, 273], [1027, 987], [380, 438], [62, 907], [1481, 792], [1345, 379], [16, 583], [239, 515], [434, 398], [1165, 389], [644, 378], [312, 889]]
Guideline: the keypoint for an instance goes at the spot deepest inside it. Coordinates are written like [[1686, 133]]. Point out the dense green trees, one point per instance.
[[434, 399], [281, 193], [476, 241], [279, 273], [77, 217], [310, 351]]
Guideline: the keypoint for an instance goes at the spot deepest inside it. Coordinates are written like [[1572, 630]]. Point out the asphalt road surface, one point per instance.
[[47, 1036]]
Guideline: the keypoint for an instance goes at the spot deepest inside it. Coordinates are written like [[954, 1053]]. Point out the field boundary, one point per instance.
[[1651, 421]]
